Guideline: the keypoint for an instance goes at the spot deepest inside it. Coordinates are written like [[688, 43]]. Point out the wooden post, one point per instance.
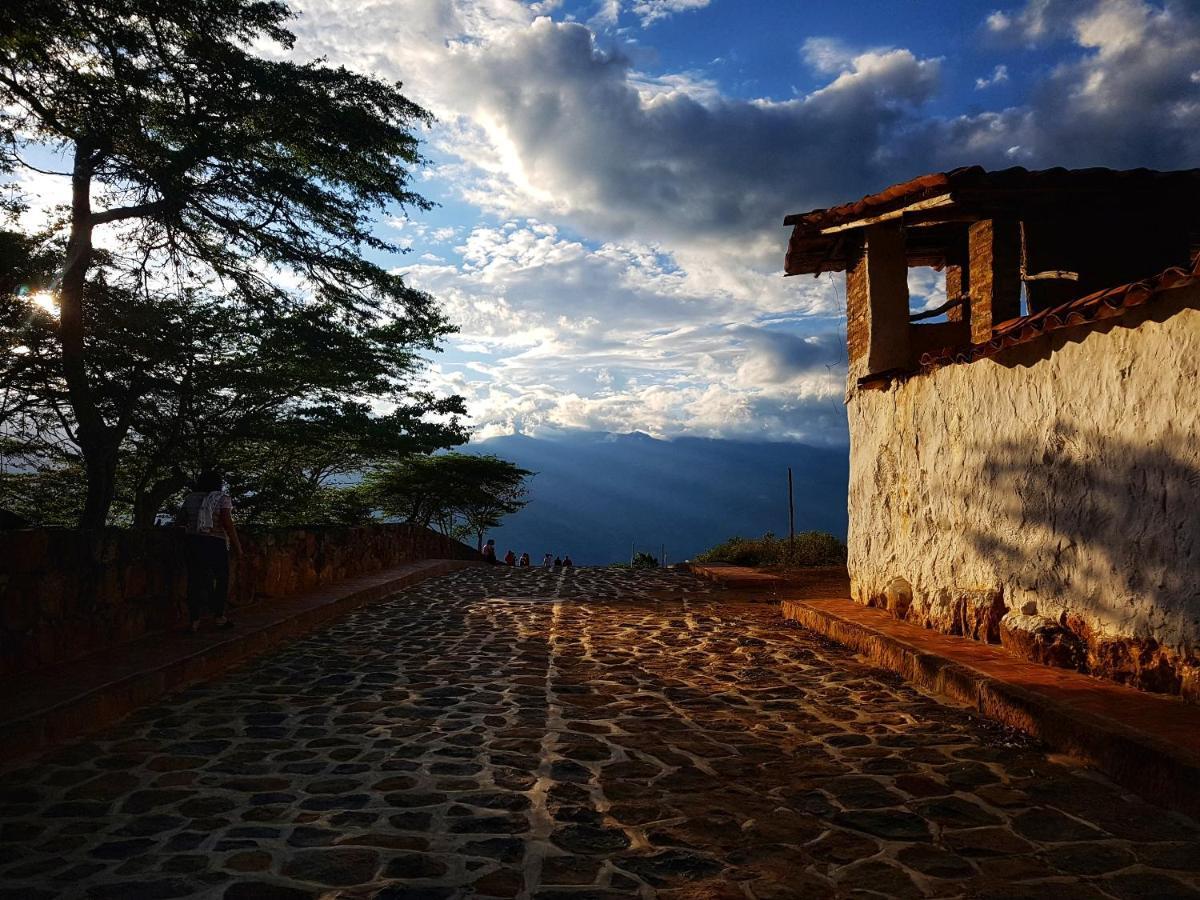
[[791, 515], [994, 274]]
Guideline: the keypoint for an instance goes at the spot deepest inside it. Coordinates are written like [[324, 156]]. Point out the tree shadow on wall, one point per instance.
[[1093, 523]]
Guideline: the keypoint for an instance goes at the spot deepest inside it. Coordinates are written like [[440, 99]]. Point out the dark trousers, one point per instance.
[[207, 575]]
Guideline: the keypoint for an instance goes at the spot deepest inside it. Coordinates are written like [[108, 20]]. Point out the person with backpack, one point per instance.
[[207, 517]]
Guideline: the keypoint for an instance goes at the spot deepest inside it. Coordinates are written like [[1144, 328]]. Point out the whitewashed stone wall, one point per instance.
[[1061, 478]]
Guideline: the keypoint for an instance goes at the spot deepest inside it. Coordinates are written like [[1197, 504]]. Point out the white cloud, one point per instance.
[[650, 11], [999, 76], [680, 188], [580, 338]]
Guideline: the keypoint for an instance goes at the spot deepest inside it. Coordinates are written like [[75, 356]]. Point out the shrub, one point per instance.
[[811, 548], [645, 561]]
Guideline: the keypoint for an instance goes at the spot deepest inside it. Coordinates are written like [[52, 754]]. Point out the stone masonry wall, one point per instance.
[[66, 593], [1058, 483]]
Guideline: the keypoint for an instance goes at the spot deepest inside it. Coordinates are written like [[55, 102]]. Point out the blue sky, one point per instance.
[[612, 175]]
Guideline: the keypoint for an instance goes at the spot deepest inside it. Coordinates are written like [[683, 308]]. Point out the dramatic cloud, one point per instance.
[[664, 309], [562, 336]]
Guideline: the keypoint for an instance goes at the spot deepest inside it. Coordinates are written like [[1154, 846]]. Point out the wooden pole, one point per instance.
[[791, 514], [662, 556]]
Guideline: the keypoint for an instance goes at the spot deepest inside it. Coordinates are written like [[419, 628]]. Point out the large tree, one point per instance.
[[284, 400], [259, 177]]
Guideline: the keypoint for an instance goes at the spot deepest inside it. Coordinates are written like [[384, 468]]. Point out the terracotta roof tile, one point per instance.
[[978, 178], [809, 251], [1099, 306]]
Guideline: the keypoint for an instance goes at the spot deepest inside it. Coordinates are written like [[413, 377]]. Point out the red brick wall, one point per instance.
[[858, 312], [67, 593]]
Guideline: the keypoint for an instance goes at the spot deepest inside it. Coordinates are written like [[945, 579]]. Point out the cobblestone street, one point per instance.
[[504, 733]]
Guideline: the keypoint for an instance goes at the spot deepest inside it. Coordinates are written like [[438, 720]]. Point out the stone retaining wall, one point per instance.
[[67, 593], [1057, 484]]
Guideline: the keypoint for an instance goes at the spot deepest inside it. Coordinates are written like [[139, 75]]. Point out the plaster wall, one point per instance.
[[1060, 479]]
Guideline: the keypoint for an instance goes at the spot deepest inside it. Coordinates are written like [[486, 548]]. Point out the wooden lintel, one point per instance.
[[1053, 275], [931, 203], [935, 217]]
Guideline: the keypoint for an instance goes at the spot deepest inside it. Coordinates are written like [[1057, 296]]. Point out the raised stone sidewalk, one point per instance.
[[1146, 742], [46, 708]]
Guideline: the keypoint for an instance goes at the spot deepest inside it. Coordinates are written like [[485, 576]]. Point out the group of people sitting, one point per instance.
[[510, 559]]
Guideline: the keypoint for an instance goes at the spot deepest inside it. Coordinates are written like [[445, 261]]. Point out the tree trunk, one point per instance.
[[100, 464], [96, 442], [149, 500]]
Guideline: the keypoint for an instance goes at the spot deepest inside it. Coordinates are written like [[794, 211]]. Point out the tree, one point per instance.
[[202, 383], [215, 165], [457, 493], [643, 560]]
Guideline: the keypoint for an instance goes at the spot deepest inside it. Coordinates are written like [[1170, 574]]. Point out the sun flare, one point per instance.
[[45, 300]]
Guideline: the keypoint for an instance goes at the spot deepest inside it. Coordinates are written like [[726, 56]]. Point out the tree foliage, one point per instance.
[[810, 548], [460, 494], [242, 192], [644, 560], [281, 400]]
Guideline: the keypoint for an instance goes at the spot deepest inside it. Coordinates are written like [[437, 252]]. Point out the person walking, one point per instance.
[[524, 561], [547, 561], [489, 552], [510, 558], [207, 515]]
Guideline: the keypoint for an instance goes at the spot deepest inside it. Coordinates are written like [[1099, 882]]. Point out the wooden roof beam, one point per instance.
[[942, 200]]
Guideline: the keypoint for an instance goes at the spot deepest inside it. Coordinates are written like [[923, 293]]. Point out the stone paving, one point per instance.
[[595, 733]]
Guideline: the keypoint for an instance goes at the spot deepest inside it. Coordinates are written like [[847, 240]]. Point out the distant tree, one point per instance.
[[215, 165], [460, 494], [643, 560]]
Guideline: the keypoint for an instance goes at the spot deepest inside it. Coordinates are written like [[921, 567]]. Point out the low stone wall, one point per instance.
[[67, 593], [1045, 498]]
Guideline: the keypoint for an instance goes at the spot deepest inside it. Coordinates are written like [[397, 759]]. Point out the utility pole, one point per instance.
[[791, 515]]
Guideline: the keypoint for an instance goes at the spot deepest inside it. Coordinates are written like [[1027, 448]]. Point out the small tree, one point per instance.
[[457, 493], [643, 560]]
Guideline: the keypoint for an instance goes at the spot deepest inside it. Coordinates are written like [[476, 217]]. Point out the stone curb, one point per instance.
[[1147, 764], [736, 576], [88, 694]]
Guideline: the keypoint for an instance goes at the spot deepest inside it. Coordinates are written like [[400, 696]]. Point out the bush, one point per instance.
[[811, 548], [645, 561]]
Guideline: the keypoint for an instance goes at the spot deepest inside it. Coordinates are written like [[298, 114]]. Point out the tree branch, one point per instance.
[[137, 211]]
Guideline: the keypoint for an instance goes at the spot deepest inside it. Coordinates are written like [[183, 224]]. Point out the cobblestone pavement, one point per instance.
[[505, 733]]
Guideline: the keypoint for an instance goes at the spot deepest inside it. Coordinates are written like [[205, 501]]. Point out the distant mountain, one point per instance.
[[597, 495]]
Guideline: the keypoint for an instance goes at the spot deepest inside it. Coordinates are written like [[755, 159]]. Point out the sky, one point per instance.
[[612, 176]]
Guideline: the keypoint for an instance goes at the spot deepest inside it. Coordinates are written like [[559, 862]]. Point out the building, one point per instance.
[[1025, 458]]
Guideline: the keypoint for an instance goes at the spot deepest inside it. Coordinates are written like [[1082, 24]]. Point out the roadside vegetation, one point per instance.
[[810, 548]]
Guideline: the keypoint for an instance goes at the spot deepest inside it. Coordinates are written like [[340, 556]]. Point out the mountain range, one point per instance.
[[597, 496]]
